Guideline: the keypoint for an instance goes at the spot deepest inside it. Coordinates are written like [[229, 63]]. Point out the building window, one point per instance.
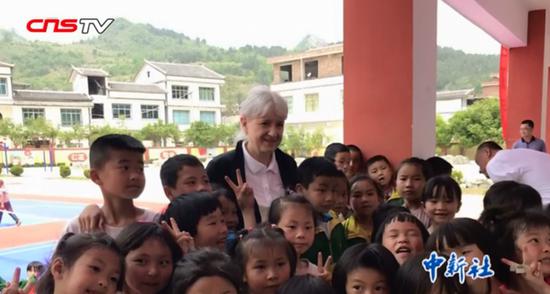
[[96, 85], [285, 73], [208, 117], [70, 117], [206, 94], [311, 69], [97, 110], [3, 87], [312, 102], [150, 111], [180, 92], [122, 111], [32, 113], [181, 117], [289, 103]]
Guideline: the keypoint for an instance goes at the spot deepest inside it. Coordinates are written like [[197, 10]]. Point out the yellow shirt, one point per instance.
[[355, 230]]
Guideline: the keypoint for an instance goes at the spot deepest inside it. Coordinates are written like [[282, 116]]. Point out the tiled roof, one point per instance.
[[134, 87], [61, 96], [91, 72], [185, 70]]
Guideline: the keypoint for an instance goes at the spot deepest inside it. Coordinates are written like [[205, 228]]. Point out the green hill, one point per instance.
[[122, 48]]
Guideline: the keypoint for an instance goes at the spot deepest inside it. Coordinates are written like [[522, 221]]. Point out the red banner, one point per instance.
[[503, 90]]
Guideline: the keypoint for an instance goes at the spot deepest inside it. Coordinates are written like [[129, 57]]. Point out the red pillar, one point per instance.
[[525, 77], [386, 43]]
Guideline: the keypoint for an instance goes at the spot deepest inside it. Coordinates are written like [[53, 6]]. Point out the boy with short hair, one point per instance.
[[318, 182], [183, 174], [116, 166], [180, 174]]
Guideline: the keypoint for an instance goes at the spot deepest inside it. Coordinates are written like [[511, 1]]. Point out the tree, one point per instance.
[[443, 134], [201, 134], [298, 142], [78, 133], [159, 132], [225, 134], [478, 123], [39, 129]]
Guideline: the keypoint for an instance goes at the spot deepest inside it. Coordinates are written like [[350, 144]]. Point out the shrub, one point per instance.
[[64, 171], [458, 176], [16, 170]]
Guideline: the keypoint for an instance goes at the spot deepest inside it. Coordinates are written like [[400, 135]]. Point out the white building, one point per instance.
[[447, 103], [169, 92], [131, 105], [312, 83], [192, 91]]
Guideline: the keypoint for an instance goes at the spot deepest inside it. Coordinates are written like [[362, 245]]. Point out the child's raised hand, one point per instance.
[[532, 274], [244, 194], [91, 219], [13, 286], [324, 270], [183, 238]]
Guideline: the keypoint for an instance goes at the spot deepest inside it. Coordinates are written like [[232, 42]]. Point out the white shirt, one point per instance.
[[147, 216], [265, 181], [524, 166]]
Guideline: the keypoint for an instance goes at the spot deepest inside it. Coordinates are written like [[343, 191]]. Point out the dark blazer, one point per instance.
[[226, 164]]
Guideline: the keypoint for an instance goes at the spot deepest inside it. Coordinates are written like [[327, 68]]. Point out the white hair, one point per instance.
[[260, 101]]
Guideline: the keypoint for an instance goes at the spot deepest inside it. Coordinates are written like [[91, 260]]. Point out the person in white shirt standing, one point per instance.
[[5, 205], [524, 166]]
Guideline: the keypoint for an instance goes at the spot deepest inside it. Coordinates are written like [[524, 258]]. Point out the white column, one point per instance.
[[424, 77]]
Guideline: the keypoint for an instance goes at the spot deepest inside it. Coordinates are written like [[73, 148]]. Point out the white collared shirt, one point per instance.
[[524, 166], [265, 181]]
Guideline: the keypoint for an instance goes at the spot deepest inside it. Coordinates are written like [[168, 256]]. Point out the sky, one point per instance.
[[231, 23]]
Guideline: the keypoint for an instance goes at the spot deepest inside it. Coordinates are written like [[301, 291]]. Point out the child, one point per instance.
[[183, 174], [230, 208], [524, 238], [439, 166], [318, 183], [411, 278], [83, 263], [206, 271], [200, 215], [365, 198], [305, 284], [340, 155], [402, 234], [267, 258], [297, 218], [441, 200], [34, 271], [466, 237], [357, 162], [5, 205], [505, 194], [340, 211], [116, 166], [380, 169], [150, 253], [365, 269], [412, 175]]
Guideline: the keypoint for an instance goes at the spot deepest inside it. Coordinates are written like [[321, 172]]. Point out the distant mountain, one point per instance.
[[309, 42], [123, 47]]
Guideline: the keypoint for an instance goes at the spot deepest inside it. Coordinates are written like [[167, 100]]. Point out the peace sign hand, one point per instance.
[[532, 273], [183, 238], [244, 194], [324, 270], [13, 286]]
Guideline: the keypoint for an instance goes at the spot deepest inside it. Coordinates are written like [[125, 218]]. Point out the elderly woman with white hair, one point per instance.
[[256, 170]]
